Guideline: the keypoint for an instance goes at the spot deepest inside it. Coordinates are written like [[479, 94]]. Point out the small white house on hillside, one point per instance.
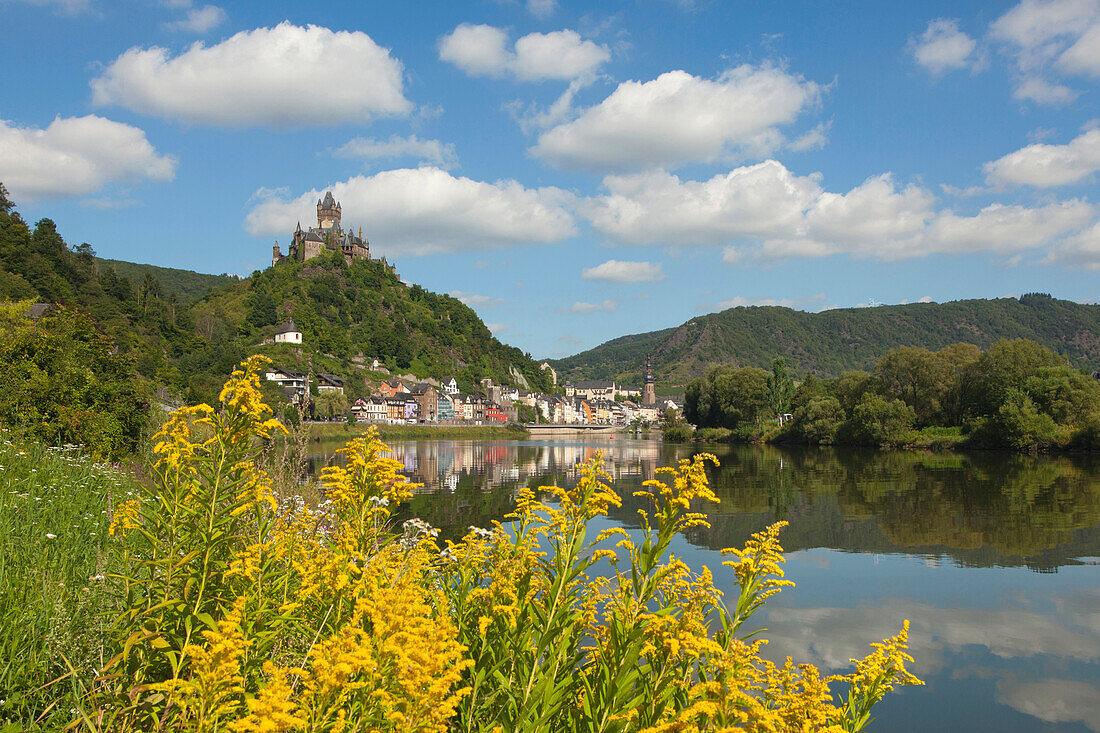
[[288, 333]]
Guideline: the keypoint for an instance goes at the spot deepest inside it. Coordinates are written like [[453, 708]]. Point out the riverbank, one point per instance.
[[1059, 439], [333, 431]]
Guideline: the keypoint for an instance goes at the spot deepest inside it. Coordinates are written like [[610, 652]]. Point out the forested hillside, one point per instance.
[[186, 286], [834, 341], [185, 345]]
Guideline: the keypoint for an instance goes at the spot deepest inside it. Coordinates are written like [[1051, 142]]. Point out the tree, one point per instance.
[[1006, 365], [959, 394], [878, 420], [780, 387], [63, 384], [1019, 424], [1067, 395], [918, 377], [850, 387], [819, 420], [726, 397], [329, 404]]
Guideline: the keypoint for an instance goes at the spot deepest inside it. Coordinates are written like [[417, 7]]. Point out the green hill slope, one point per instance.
[[830, 342], [187, 286], [185, 331], [350, 315]]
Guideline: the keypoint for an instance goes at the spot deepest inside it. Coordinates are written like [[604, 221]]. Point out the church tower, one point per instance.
[[649, 389], [328, 213]]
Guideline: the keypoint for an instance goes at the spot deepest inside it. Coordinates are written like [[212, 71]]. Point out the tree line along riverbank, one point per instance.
[[1017, 395]]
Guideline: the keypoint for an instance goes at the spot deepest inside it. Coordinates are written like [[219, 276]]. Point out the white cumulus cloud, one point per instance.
[[1080, 250], [1047, 38], [482, 50], [198, 20], [430, 151], [276, 77], [1041, 91], [658, 207], [943, 47], [740, 301], [409, 212], [607, 306], [625, 272], [472, 299], [1007, 230], [1044, 165], [75, 156], [764, 211], [679, 118]]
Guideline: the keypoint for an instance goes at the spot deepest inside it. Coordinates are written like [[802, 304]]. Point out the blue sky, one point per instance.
[[576, 171]]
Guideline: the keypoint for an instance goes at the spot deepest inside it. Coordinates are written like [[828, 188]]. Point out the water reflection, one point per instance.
[[978, 510], [991, 556]]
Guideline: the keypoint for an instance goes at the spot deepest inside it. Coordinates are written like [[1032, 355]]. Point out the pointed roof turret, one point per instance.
[[328, 201], [299, 225]]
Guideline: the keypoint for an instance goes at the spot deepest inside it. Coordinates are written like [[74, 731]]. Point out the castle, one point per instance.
[[327, 235]]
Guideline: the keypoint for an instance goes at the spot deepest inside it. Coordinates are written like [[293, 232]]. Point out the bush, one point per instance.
[[678, 433], [819, 420], [1087, 435], [878, 420], [242, 615], [712, 435], [1021, 425]]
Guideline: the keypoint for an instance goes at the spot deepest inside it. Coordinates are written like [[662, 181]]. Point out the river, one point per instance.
[[994, 558]]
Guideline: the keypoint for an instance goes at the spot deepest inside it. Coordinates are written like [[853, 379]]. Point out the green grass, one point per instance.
[[55, 560]]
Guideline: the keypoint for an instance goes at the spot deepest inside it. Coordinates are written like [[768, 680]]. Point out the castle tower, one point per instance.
[[328, 213], [649, 391], [276, 255]]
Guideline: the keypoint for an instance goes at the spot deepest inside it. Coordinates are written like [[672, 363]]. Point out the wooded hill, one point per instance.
[[833, 341], [187, 345], [186, 286]]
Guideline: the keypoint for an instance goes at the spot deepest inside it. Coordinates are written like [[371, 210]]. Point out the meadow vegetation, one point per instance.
[[218, 607]]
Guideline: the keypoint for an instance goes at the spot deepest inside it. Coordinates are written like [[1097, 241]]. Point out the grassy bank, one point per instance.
[[55, 561], [347, 432]]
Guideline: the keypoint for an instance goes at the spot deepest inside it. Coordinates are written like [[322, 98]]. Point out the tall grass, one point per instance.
[[55, 508]]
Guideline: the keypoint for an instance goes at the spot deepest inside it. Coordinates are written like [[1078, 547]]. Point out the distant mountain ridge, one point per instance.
[[833, 341]]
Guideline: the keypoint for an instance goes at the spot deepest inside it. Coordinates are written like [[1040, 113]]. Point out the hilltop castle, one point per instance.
[[328, 235]]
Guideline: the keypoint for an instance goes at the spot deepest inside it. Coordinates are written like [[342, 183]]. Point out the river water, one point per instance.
[[994, 558]]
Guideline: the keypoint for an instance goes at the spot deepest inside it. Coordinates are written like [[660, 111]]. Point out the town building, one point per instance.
[[649, 391], [494, 413], [393, 388], [428, 399], [294, 385], [288, 333], [370, 410], [330, 383]]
